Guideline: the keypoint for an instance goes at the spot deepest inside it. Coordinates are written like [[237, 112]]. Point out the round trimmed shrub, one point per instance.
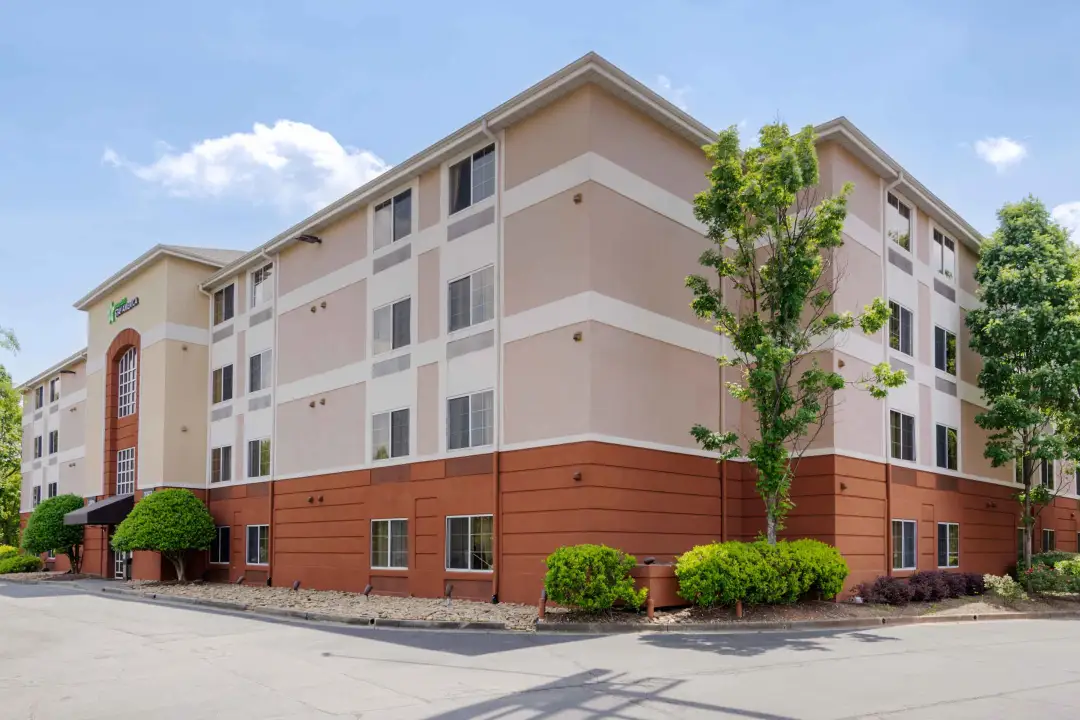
[[721, 573], [826, 566], [20, 564], [46, 531], [592, 578], [171, 522]]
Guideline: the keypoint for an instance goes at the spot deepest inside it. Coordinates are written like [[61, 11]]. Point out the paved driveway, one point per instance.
[[71, 655]]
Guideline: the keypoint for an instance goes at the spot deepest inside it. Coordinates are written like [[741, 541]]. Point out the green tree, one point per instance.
[[1027, 332], [8, 341], [774, 243], [46, 531], [170, 522], [10, 460]]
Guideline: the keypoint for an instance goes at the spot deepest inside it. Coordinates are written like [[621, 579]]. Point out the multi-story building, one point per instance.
[[488, 352]]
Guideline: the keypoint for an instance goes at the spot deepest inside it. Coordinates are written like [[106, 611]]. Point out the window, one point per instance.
[[1049, 540], [54, 390], [52, 490], [258, 458], [390, 435], [903, 435], [903, 544], [948, 545], [945, 350], [472, 179], [944, 255], [469, 420], [224, 304], [468, 543], [260, 368], [898, 222], [392, 326], [900, 321], [946, 447], [221, 545], [39, 397], [125, 471], [389, 543], [472, 299], [35, 497], [54, 441], [1047, 476], [258, 544], [126, 384], [37, 447], [223, 386], [393, 219], [221, 464], [261, 291]]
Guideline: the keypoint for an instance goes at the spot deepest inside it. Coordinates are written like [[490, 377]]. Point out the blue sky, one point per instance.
[[126, 124]]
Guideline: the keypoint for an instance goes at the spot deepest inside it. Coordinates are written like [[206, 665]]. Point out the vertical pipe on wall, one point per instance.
[[273, 424], [885, 349], [496, 479]]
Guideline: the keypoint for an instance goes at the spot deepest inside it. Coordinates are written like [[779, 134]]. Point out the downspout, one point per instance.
[[496, 486], [210, 395], [885, 348], [273, 422]]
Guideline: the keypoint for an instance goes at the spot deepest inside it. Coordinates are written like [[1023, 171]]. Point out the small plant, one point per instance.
[[1051, 558], [7, 551], [974, 584], [592, 578], [171, 522], [826, 566], [928, 586], [1005, 588], [1040, 578], [20, 564], [885, 590], [46, 531], [1069, 568]]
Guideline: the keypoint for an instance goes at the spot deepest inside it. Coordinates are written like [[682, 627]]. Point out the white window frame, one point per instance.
[[391, 201], [54, 390], [266, 368], [389, 557], [228, 548], [127, 381], [471, 518], [910, 218], [471, 397], [910, 326], [1053, 537], [39, 397], [247, 459], [227, 291], [35, 496], [52, 489], [258, 539], [470, 158], [915, 552], [265, 275], [949, 550], [223, 466], [39, 447], [956, 351], [914, 436], [390, 434], [956, 432], [389, 307], [125, 471], [937, 254], [475, 317], [232, 383], [54, 447], [1047, 474]]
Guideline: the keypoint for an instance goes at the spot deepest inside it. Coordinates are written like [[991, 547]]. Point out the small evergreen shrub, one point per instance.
[[1040, 578], [1005, 588], [1051, 558], [592, 578], [1069, 568], [7, 551], [827, 567], [45, 530], [929, 586], [20, 564], [172, 522], [885, 590], [974, 584]]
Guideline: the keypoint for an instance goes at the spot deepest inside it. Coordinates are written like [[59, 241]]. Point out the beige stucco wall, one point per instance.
[[428, 296], [183, 425], [866, 197], [72, 426], [94, 433], [151, 287], [972, 443], [185, 304], [343, 242], [330, 435], [546, 391], [548, 138], [427, 409], [310, 343], [152, 415], [429, 199]]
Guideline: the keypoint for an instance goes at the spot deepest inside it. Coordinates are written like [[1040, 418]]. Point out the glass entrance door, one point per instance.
[[120, 564]]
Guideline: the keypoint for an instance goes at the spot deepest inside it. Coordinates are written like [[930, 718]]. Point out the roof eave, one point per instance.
[[135, 266], [64, 364]]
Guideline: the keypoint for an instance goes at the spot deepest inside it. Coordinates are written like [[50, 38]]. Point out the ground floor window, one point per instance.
[[468, 543], [1049, 540], [390, 544], [948, 545], [903, 544], [258, 544], [221, 545]]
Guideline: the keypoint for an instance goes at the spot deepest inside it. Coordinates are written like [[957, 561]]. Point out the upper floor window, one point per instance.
[[898, 222], [390, 435], [393, 219], [223, 383], [126, 384], [37, 447], [54, 389], [902, 431], [261, 289], [472, 179], [900, 322], [945, 350], [1047, 476], [260, 371], [472, 299], [946, 447], [36, 498], [53, 489], [54, 441], [221, 464], [258, 458], [392, 329], [39, 397], [224, 304], [944, 255], [125, 471], [469, 420]]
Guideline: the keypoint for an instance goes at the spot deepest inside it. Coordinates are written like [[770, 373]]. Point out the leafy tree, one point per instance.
[[1027, 332], [775, 244], [8, 341], [10, 460], [46, 531], [170, 522]]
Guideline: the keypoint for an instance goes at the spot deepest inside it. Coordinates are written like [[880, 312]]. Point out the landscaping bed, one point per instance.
[[56, 575], [334, 602]]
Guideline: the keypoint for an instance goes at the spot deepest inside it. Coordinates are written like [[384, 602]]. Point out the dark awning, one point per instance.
[[106, 512]]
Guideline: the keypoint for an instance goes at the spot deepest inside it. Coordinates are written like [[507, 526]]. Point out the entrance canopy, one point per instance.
[[107, 512]]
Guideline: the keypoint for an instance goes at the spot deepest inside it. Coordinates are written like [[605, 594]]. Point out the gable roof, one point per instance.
[[64, 364]]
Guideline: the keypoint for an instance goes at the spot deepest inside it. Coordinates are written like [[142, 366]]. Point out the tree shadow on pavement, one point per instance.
[[752, 644], [469, 643], [599, 694]]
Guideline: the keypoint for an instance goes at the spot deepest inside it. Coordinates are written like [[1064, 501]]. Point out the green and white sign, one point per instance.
[[120, 307]]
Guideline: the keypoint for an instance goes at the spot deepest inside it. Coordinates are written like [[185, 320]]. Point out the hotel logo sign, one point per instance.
[[120, 307]]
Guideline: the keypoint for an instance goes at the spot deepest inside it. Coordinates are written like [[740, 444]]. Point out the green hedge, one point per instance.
[[20, 564], [7, 551], [758, 573], [592, 578]]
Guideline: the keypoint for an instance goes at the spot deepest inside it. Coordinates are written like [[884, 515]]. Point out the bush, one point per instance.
[[827, 567], [7, 551], [928, 586], [592, 577], [170, 522], [1069, 568], [1005, 588], [974, 584], [1042, 578], [1051, 558], [20, 564], [46, 531], [885, 591]]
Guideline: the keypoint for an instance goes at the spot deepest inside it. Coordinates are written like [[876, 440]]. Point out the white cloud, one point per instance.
[[288, 164], [677, 96], [1068, 214], [1001, 152]]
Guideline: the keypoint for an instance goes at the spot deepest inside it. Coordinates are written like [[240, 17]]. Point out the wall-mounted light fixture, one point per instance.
[[310, 239], [577, 336]]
